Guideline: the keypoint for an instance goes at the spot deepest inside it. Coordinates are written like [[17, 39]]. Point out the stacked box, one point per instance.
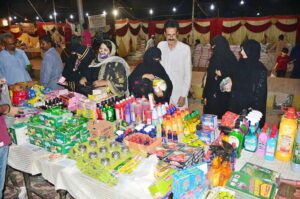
[[60, 134], [188, 183]]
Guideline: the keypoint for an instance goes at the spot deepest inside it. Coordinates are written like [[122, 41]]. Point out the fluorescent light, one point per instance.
[[115, 12], [104, 13], [87, 14], [212, 6], [50, 17], [242, 2], [174, 9], [71, 16], [37, 18]]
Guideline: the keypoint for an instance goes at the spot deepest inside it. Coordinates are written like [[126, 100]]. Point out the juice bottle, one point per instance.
[[286, 136], [225, 172], [214, 172], [296, 154], [262, 141]]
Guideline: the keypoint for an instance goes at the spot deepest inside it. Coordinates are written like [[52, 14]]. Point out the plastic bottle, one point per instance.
[[250, 143], [127, 113], [235, 136], [138, 113], [262, 141], [132, 113], [296, 154], [286, 136], [117, 110], [271, 144]]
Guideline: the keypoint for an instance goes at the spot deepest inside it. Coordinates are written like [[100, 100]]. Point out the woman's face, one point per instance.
[[104, 51]]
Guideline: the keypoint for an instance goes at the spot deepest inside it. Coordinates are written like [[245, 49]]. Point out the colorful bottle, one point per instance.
[[214, 172], [250, 143], [262, 141], [117, 111], [225, 172], [296, 153], [286, 136], [271, 144], [127, 113], [235, 136]]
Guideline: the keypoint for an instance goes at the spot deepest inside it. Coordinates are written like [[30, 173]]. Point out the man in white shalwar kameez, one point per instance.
[[176, 59]]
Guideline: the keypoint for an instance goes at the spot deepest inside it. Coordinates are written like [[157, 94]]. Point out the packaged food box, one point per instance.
[[39, 131], [162, 186], [55, 117], [55, 147], [209, 122], [37, 141], [246, 186]]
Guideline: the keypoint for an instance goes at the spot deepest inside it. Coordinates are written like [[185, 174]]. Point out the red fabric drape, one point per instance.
[[121, 32], [186, 29], [145, 30], [201, 29], [134, 31], [215, 27], [228, 30], [285, 27], [258, 28], [151, 28]]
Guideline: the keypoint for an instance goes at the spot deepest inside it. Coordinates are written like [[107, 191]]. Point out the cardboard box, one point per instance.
[[101, 127], [55, 117], [18, 133]]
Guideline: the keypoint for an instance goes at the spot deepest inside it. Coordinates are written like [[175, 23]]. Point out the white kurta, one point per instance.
[[178, 65]]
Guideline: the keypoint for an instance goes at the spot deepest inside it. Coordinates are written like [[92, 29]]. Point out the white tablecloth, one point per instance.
[[64, 174]]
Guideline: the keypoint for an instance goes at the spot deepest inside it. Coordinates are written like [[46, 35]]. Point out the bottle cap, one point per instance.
[[291, 113]]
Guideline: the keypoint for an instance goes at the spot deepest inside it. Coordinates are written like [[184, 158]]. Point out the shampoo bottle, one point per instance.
[[262, 141]]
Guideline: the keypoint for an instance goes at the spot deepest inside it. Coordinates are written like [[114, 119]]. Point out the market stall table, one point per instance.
[[64, 175]]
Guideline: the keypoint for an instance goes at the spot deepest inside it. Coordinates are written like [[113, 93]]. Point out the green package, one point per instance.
[[37, 141], [260, 172], [250, 187], [55, 147]]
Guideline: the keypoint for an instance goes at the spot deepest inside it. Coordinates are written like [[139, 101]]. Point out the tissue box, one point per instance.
[[18, 133], [209, 122], [206, 135]]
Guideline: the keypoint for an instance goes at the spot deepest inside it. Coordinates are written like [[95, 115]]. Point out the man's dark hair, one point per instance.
[[47, 39], [281, 37], [171, 23], [285, 50]]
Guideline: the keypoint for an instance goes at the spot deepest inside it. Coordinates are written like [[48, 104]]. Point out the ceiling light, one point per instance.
[[151, 11], [212, 6]]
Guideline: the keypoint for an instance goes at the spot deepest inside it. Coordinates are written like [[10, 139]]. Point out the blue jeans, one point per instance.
[[3, 163]]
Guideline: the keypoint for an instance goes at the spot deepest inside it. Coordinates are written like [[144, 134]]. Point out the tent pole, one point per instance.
[[193, 20], [80, 11]]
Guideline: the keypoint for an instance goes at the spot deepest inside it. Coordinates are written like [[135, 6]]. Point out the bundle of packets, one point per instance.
[[103, 159], [61, 136], [161, 188], [179, 156]]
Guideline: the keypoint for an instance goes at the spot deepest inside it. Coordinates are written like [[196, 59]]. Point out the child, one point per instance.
[[281, 63]]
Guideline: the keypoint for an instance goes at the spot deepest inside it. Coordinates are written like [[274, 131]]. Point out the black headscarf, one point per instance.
[[77, 66], [249, 88], [150, 65]]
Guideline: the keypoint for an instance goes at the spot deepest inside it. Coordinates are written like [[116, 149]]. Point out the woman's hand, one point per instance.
[[148, 76], [14, 111], [83, 81], [99, 83], [159, 93], [218, 73]]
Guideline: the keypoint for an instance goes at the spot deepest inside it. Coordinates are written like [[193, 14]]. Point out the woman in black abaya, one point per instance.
[[249, 84], [221, 65], [141, 79]]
